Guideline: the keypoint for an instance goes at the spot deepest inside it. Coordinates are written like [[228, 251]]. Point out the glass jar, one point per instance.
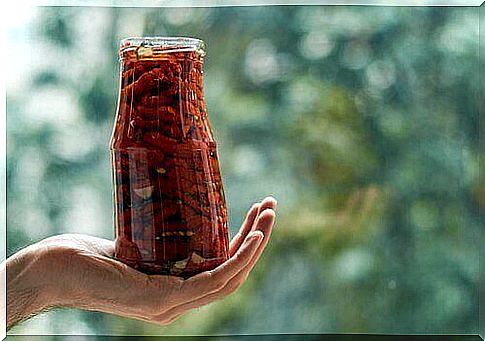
[[170, 211]]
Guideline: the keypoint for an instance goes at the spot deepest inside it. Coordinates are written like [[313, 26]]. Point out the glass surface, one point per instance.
[[170, 212]]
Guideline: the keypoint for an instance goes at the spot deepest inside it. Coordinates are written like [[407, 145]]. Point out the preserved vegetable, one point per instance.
[[170, 211]]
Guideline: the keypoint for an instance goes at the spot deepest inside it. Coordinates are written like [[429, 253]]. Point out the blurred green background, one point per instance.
[[361, 121]]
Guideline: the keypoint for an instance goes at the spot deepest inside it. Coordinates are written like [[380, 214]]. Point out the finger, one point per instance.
[[265, 222], [265, 225], [268, 202], [213, 280], [244, 230], [267, 219], [234, 283]]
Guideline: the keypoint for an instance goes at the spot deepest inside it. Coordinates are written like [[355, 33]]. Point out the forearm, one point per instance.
[[3, 299], [26, 291]]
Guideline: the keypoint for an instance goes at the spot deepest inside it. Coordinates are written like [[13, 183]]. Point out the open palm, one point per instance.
[[88, 277]]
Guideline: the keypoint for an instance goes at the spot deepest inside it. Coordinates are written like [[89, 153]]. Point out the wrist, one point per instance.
[[28, 287]]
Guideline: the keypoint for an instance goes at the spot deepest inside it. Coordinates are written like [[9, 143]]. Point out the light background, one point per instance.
[[361, 121]]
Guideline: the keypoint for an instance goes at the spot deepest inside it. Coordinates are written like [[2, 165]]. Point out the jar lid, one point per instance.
[[147, 47]]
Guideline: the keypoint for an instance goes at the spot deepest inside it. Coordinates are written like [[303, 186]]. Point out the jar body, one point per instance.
[[170, 211]]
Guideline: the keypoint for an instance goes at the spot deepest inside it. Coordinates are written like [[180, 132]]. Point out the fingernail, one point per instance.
[[268, 209], [257, 235], [270, 197]]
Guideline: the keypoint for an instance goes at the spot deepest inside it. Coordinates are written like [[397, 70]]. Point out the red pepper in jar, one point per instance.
[[170, 211]]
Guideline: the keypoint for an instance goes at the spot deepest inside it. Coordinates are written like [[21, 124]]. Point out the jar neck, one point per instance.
[[171, 58], [163, 96], [172, 76]]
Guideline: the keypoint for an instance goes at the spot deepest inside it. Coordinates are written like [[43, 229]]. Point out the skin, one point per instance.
[[74, 270]]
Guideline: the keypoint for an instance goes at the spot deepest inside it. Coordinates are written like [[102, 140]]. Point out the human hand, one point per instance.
[[79, 271]]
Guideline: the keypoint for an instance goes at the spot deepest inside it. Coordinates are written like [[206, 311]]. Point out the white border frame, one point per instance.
[[11, 8]]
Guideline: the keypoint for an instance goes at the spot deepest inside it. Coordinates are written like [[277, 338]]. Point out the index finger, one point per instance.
[[250, 223], [214, 280], [244, 230], [265, 222]]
